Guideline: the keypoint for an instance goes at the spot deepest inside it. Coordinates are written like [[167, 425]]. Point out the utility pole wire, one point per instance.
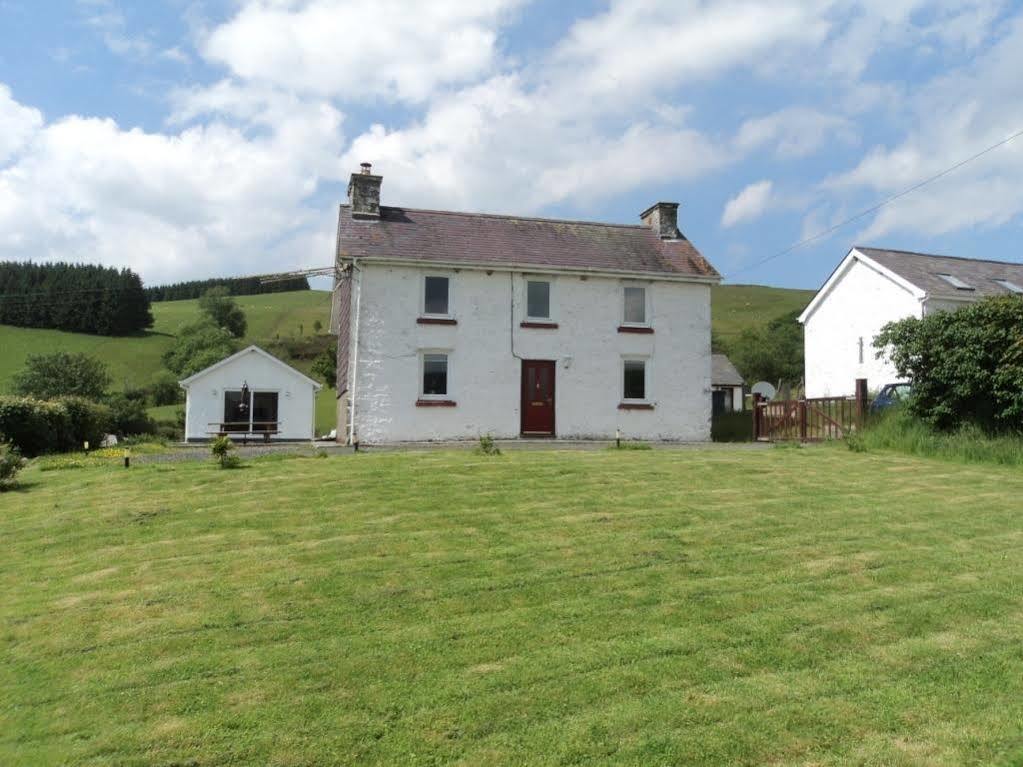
[[877, 207]]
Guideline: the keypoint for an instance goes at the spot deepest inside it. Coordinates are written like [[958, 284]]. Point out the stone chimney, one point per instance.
[[364, 192], [662, 217]]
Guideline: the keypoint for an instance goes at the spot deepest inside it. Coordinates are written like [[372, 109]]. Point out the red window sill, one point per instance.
[[635, 406], [436, 321], [435, 403], [544, 325], [634, 329]]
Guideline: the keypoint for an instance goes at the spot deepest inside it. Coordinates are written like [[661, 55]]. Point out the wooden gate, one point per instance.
[[809, 420]]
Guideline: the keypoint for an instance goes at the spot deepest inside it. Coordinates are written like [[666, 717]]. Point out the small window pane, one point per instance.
[[538, 299], [955, 282], [436, 295], [635, 379], [635, 306], [435, 374], [1009, 285]]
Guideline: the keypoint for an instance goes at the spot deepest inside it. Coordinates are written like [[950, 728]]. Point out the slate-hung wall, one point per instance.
[[485, 345]]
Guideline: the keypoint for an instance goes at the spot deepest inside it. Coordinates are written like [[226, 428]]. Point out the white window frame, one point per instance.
[[422, 296], [550, 298], [422, 374], [646, 305], [646, 400]]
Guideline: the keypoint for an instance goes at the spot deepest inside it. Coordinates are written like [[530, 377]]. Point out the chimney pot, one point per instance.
[[364, 192], [662, 217]]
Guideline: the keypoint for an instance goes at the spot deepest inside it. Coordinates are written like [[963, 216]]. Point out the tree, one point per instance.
[[772, 353], [966, 366], [62, 374], [197, 347], [223, 311], [325, 366], [317, 326]]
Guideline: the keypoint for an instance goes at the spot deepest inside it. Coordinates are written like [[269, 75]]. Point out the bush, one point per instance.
[[487, 446], [223, 449], [197, 347], [223, 311], [164, 390], [11, 463], [36, 426], [732, 427], [128, 416], [61, 374]]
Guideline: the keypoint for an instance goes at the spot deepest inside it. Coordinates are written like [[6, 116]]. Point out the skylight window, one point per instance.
[[1012, 287], [955, 282]]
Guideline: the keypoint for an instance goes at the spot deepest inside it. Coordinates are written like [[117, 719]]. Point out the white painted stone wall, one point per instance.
[[485, 348], [858, 306], [296, 400]]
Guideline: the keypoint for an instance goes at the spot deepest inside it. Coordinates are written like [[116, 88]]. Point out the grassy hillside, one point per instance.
[[134, 361], [538, 608], [735, 307]]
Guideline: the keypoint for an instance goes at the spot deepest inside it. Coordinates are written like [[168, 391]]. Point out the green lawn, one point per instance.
[[785, 606]]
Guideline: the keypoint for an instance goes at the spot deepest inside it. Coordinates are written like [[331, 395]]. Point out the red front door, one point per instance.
[[538, 398]]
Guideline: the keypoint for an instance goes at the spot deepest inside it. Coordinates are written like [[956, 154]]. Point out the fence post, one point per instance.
[[861, 402], [802, 420], [756, 416]]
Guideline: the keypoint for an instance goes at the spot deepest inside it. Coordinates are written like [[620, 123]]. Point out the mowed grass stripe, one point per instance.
[[666, 607]]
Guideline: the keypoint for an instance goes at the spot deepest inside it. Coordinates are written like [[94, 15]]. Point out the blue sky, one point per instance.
[[190, 139]]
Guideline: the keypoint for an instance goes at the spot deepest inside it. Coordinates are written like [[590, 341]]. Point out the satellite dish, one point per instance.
[[764, 389]]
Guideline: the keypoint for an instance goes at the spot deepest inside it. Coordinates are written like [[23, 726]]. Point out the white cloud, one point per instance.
[[17, 124], [749, 204], [208, 200], [795, 131], [387, 49]]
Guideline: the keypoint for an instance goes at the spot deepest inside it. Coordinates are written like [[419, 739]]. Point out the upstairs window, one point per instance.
[[634, 380], [435, 299], [538, 300], [435, 375], [955, 282], [1012, 287], [635, 306]]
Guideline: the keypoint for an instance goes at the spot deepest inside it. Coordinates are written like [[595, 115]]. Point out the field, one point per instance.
[[736, 307], [779, 606]]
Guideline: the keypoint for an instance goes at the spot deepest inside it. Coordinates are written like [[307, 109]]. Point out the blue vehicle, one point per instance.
[[890, 395]]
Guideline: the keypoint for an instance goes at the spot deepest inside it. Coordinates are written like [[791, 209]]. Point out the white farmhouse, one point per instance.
[[251, 394], [455, 325], [872, 287]]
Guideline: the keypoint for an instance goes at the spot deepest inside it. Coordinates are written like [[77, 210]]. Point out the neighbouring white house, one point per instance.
[[872, 287], [455, 325], [250, 394], [727, 385]]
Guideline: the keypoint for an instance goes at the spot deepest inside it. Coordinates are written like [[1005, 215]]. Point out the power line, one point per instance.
[[877, 207]]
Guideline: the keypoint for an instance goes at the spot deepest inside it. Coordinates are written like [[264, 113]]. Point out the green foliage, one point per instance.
[[11, 463], [81, 298], [732, 427], [856, 442], [325, 366], [223, 311], [197, 347], [487, 446], [128, 416], [773, 352], [900, 430], [317, 326], [62, 374], [223, 449], [39, 426], [630, 445], [236, 286], [966, 366], [164, 390]]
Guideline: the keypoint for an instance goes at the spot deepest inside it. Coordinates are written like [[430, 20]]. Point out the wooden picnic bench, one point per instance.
[[264, 429]]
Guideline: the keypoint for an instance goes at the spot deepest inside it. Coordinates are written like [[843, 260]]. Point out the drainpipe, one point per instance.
[[357, 290]]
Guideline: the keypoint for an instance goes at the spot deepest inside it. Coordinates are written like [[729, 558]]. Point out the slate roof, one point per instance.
[[922, 270], [723, 372], [484, 239]]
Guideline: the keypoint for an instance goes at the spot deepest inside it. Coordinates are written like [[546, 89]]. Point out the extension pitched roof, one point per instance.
[[924, 269], [479, 239], [723, 372], [248, 350]]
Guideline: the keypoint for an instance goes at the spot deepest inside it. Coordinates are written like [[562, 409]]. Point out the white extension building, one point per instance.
[[456, 325], [872, 287], [251, 394]]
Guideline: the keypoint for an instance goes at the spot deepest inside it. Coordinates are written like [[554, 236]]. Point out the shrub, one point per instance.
[[732, 427], [164, 390], [128, 416], [487, 446], [34, 426], [61, 374], [223, 449], [87, 422], [223, 311], [197, 347], [11, 463]]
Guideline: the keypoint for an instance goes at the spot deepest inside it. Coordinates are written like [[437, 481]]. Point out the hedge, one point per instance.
[[39, 426]]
